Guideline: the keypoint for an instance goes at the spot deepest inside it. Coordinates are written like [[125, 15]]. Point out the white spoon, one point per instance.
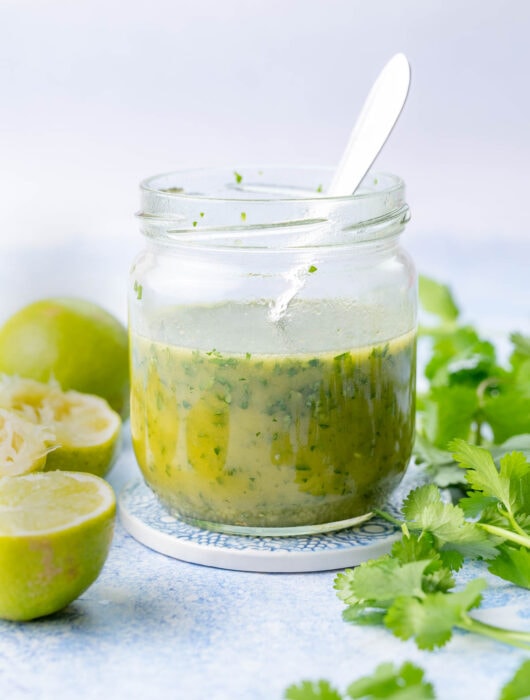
[[373, 126], [380, 112]]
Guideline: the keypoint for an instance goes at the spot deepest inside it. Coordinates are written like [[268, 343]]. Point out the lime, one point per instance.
[[23, 445], [55, 533], [87, 431], [74, 341]]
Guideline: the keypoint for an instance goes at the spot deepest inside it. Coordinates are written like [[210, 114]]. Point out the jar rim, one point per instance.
[[149, 184], [269, 206]]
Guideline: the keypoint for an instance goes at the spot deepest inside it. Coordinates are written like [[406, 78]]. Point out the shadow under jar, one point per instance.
[[273, 345]]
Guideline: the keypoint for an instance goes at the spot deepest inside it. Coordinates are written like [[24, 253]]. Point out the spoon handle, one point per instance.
[[373, 126]]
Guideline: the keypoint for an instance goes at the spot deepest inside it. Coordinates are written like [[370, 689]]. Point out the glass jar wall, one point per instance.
[[272, 339]]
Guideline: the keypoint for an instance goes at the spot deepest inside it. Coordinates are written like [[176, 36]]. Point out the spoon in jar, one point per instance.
[[378, 116]]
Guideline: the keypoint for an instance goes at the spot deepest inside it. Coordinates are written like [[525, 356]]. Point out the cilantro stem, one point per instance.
[[386, 516], [513, 522], [478, 432], [523, 540], [390, 518], [500, 634]]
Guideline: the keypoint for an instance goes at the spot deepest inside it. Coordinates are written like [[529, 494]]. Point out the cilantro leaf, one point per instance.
[[460, 356], [481, 473], [423, 509], [444, 471], [358, 614], [518, 688], [387, 681], [508, 410], [412, 618], [521, 344], [516, 443], [510, 484], [437, 575], [449, 412], [521, 349], [503, 503], [512, 565], [476, 503], [342, 584], [381, 580], [515, 468], [312, 690], [427, 453], [470, 395], [430, 621], [414, 548], [439, 464], [437, 299]]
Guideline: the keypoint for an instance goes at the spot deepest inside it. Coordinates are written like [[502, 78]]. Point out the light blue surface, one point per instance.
[[155, 627]]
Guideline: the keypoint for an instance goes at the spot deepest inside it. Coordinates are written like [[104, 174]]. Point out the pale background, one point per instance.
[[96, 95]]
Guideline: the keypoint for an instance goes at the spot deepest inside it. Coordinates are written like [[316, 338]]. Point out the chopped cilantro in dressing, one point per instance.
[[264, 440]]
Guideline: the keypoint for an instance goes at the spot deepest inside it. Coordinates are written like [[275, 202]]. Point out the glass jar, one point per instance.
[[273, 336]]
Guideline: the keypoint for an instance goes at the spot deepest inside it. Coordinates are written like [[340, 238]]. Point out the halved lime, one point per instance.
[[23, 444], [55, 533], [87, 430]]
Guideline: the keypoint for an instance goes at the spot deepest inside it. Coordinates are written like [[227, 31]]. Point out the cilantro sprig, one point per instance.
[[312, 690], [472, 401], [499, 501], [470, 395], [388, 682], [410, 591], [444, 527], [413, 597]]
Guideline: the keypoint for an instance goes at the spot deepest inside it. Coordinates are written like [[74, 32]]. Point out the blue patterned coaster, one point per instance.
[[147, 521]]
